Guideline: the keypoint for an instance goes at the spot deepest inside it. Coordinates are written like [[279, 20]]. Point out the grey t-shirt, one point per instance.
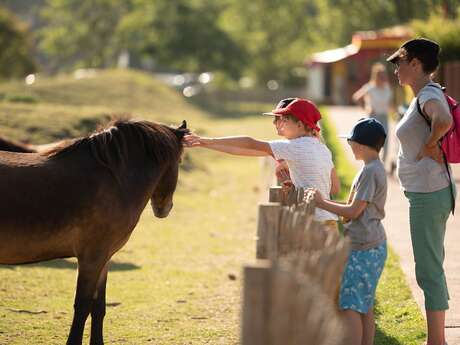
[[425, 175], [369, 185]]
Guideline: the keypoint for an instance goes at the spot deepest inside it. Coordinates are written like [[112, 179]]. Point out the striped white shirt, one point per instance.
[[310, 164]]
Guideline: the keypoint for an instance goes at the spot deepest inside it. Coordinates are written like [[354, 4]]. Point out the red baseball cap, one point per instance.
[[302, 109]]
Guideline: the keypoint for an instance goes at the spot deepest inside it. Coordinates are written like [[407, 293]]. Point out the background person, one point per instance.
[[377, 96]]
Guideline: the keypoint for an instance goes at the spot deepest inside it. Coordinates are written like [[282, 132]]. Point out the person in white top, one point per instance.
[[377, 97], [309, 160]]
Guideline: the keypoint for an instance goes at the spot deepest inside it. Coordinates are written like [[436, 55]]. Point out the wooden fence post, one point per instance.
[[267, 230], [282, 306], [275, 194], [256, 297]]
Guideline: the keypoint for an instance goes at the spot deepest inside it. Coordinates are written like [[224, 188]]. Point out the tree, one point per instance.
[[265, 39], [443, 30], [15, 46], [183, 34], [373, 15], [275, 34], [82, 33]]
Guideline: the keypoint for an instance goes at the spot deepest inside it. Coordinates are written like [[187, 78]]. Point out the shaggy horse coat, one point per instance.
[[83, 199]]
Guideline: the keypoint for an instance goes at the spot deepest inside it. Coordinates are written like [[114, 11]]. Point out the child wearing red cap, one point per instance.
[[309, 160]]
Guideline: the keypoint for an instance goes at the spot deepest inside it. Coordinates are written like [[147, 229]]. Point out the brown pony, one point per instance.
[[83, 199]]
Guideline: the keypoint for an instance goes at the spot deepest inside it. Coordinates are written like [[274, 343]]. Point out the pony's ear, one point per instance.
[[183, 125], [182, 130]]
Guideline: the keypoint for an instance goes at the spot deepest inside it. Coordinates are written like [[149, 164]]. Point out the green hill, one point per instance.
[[55, 108]]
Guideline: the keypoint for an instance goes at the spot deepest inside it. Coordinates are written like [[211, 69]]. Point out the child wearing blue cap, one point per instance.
[[363, 214]]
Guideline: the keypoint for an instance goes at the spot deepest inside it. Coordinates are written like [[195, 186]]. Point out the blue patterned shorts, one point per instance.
[[360, 278]]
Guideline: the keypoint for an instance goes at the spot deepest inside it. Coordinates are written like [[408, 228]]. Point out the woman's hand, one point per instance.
[[432, 151], [441, 122]]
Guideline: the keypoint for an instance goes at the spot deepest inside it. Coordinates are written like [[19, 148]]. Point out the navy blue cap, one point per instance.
[[420, 48], [369, 132]]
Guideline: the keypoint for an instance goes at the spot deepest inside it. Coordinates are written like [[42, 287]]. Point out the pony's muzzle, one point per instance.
[[162, 212]]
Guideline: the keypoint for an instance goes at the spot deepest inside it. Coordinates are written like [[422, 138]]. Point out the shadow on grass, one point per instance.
[[67, 264], [383, 339]]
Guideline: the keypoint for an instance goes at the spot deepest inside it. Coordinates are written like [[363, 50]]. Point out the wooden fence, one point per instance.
[[283, 307], [290, 294]]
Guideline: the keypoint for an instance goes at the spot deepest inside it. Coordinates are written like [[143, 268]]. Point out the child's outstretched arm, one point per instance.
[[241, 146], [350, 211]]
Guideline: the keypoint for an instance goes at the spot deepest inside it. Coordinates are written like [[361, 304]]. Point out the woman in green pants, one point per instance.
[[424, 176]]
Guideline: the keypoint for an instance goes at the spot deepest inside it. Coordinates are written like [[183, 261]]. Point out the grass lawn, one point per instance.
[[171, 283]]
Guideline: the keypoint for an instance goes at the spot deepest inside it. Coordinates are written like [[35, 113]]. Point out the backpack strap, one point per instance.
[[419, 109], [446, 164]]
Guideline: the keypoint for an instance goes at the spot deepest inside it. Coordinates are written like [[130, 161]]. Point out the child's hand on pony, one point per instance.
[[192, 140]]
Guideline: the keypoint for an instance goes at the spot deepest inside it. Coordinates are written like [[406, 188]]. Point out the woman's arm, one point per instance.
[[358, 95], [441, 121], [335, 183], [241, 146], [349, 211]]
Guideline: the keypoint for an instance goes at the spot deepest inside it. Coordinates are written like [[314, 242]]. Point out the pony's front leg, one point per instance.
[[88, 276], [98, 310]]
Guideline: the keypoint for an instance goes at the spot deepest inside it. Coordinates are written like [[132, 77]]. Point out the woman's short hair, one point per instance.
[[424, 50]]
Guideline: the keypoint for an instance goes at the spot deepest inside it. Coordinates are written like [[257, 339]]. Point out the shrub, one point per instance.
[[443, 30], [15, 58]]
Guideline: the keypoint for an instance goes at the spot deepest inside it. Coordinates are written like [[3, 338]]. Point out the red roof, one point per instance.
[[334, 55], [389, 38]]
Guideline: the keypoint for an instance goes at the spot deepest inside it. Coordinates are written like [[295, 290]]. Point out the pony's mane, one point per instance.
[[111, 145]]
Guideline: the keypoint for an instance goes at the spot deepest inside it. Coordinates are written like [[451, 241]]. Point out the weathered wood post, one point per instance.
[[282, 306], [256, 297], [267, 230], [293, 196], [275, 194]]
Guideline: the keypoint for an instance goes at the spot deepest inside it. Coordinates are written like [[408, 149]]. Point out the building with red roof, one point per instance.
[[334, 75]]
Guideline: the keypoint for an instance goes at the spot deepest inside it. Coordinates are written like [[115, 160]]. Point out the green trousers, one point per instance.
[[428, 213]]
